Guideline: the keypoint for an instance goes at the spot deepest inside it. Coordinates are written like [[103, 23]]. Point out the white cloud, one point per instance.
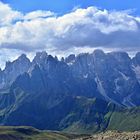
[[38, 14], [7, 15], [81, 29]]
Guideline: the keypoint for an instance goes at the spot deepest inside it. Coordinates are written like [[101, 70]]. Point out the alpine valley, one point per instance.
[[82, 94]]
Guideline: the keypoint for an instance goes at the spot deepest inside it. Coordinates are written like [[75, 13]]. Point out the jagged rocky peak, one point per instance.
[[99, 58], [51, 58], [98, 53], [40, 57], [42, 54], [14, 69], [56, 58], [70, 58], [82, 57], [51, 61], [44, 61], [23, 57], [22, 63], [136, 59], [123, 63], [121, 56]]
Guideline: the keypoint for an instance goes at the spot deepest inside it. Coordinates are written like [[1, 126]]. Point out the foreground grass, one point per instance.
[[29, 133]]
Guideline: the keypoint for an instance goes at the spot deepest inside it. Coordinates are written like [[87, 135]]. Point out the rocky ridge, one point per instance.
[[113, 135], [94, 92]]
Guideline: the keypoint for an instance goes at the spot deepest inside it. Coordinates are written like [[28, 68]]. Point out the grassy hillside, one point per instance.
[[30, 133], [79, 115], [125, 120], [120, 119]]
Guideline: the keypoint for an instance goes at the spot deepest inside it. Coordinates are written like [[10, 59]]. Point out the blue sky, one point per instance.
[[64, 6], [62, 27]]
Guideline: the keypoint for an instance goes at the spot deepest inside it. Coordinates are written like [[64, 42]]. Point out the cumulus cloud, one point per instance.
[[7, 15], [38, 14], [81, 29]]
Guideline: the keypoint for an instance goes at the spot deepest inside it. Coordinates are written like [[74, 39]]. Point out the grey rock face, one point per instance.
[[13, 70], [80, 89], [111, 76]]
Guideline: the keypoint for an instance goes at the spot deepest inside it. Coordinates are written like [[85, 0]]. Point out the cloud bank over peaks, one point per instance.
[[81, 29]]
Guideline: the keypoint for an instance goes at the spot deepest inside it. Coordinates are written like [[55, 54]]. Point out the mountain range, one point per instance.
[[83, 93]]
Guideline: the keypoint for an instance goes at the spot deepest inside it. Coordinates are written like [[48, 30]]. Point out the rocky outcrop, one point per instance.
[[113, 135]]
